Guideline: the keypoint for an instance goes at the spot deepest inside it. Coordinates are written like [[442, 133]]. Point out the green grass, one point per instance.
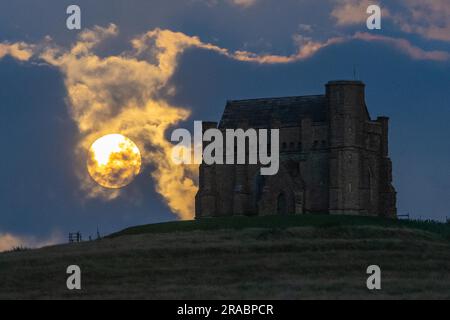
[[317, 221]]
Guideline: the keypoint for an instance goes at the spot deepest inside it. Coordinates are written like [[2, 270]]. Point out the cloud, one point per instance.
[[89, 38], [20, 51], [305, 27], [9, 241], [244, 3], [405, 46], [307, 47], [236, 3], [350, 12], [428, 18]]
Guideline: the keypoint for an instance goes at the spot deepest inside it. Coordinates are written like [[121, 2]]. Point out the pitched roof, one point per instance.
[[259, 113]]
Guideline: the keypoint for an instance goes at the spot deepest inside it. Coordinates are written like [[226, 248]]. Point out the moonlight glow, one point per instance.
[[114, 161]]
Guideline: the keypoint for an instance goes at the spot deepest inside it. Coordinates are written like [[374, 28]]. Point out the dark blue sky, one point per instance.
[[39, 191]]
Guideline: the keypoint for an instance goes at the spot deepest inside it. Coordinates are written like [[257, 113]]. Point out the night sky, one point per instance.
[[406, 67]]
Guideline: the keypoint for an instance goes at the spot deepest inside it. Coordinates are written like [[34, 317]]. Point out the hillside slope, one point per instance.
[[301, 257]]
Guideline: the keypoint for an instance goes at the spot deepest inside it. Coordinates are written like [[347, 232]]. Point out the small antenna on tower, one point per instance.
[[354, 72]]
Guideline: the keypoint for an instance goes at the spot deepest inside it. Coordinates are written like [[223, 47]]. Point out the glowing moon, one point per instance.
[[114, 161]]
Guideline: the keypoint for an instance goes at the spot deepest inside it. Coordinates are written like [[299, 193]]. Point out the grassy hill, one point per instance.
[[293, 257]]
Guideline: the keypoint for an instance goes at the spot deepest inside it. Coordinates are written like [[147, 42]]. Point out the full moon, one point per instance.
[[114, 161]]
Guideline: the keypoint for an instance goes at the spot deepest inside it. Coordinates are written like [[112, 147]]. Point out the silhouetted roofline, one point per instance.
[[274, 98], [345, 82], [261, 112]]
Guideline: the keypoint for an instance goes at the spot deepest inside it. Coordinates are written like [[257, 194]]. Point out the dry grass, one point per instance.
[[255, 263]]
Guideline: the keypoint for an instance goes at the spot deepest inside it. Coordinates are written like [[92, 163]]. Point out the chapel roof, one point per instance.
[[260, 113]]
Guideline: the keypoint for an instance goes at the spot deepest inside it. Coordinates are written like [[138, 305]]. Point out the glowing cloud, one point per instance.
[[406, 47], [9, 241], [244, 3], [20, 51], [119, 94]]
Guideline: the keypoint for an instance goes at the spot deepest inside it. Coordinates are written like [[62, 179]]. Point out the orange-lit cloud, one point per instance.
[[9, 241], [175, 43], [120, 94], [405, 46], [20, 51], [307, 47], [244, 3]]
